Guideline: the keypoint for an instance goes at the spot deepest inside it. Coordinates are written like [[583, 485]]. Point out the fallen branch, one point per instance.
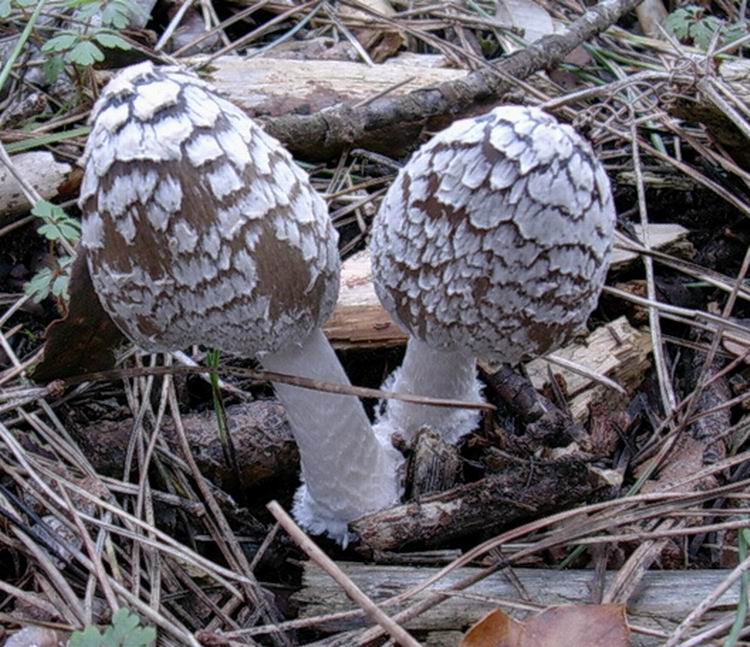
[[385, 123], [524, 489]]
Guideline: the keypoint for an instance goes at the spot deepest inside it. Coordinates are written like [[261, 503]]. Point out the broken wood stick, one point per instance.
[[524, 489], [380, 123]]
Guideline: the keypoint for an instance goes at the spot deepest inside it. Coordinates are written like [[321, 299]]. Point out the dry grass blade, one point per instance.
[[396, 632]]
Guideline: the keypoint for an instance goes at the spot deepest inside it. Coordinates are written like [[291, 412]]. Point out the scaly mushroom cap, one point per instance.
[[199, 227], [495, 238]]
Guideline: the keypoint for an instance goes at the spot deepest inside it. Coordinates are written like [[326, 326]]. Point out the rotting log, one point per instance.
[[662, 600], [524, 489], [262, 439]]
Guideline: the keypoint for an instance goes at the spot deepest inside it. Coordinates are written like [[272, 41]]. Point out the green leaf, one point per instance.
[[87, 10], [85, 53], [89, 637], [45, 209], [678, 23], [50, 232], [60, 43], [25, 3], [53, 67], [123, 623], [734, 32], [60, 286], [111, 41], [4, 8], [116, 14], [140, 637], [69, 232], [703, 31], [39, 286]]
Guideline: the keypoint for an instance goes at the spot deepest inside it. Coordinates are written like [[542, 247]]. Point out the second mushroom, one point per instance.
[[493, 241]]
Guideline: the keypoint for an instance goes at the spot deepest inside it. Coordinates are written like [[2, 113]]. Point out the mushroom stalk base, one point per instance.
[[346, 471], [438, 374]]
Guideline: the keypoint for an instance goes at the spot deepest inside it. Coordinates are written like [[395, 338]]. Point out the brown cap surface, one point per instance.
[[495, 237], [199, 227]]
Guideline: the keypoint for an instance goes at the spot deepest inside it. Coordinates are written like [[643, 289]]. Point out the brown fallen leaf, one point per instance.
[[496, 629], [582, 625], [84, 341]]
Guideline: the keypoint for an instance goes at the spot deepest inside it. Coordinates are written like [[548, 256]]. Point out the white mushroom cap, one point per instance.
[[495, 238], [199, 227]]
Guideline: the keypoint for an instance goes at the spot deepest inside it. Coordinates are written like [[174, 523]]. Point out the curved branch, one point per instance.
[[327, 133]]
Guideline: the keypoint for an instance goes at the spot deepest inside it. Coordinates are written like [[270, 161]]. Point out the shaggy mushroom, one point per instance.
[[200, 229], [493, 241]]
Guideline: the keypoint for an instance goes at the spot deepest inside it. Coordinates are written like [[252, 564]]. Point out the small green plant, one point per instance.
[[6, 6], [84, 48], [125, 631], [691, 24], [58, 227]]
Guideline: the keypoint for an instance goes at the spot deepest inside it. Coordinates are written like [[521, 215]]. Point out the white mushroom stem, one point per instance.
[[439, 374], [346, 471]]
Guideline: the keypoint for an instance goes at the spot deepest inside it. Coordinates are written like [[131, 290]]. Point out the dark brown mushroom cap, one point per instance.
[[199, 227], [495, 237]]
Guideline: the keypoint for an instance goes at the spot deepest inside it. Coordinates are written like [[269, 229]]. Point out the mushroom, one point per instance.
[[200, 229], [493, 241]]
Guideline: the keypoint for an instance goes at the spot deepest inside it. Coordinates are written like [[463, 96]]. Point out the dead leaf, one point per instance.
[[531, 19], [35, 637], [582, 625], [84, 341], [496, 629]]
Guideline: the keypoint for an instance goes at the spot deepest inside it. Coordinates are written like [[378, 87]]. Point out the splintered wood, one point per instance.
[[616, 350]]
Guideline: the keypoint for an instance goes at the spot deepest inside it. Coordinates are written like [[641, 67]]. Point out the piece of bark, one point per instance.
[[651, 16], [44, 173], [544, 424], [434, 465], [663, 599], [523, 490], [37, 637], [262, 439], [381, 123]]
